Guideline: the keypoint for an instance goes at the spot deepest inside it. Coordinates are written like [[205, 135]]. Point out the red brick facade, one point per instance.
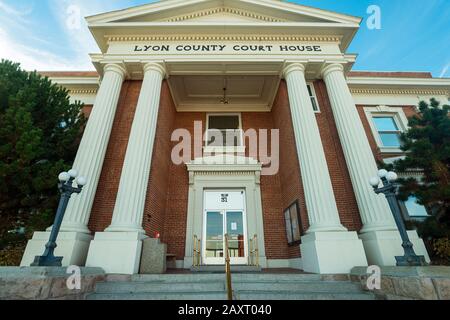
[[108, 185], [167, 194]]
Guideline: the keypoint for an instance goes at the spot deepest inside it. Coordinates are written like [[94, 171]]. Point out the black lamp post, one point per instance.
[[389, 189], [66, 188]]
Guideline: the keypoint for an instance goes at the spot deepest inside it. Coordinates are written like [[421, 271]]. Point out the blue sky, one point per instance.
[[414, 34]]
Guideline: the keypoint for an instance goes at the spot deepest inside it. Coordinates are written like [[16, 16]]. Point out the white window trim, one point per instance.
[[396, 113], [226, 149], [313, 90]]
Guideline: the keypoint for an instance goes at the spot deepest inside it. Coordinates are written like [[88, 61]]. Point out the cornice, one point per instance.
[[222, 38], [83, 91], [399, 91], [225, 173], [212, 11]]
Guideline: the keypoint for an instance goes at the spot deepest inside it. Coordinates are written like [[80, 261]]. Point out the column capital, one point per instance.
[[154, 66], [116, 67], [295, 66], [332, 68]]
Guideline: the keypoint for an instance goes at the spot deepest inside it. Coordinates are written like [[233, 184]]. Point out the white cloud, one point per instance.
[[35, 53], [444, 71], [18, 14], [18, 44], [29, 57], [70, 16]]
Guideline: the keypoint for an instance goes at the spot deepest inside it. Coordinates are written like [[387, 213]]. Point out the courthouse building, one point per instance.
[[194, 71]]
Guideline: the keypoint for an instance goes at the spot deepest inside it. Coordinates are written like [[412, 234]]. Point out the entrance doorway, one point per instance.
[[224, 214]]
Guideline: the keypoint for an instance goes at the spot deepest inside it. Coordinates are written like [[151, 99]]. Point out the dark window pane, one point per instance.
[[310, 90], [314, 103], [385, 124], [223, 122], [390, 139]]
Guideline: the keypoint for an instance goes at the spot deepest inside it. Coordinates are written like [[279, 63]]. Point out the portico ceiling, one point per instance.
[[243, 92]]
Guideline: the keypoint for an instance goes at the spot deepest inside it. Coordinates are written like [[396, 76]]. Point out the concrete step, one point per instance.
[[212, 286], [201, 277], [288, 295], [303, 286], [298, 287], [192, 296], [151, 287], [273, 277], [221, 269]]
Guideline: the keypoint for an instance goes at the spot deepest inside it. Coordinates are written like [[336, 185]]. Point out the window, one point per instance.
[[388, 131], [312, 95], [293, 224], [224, 130], [414, 209], [387, 124]]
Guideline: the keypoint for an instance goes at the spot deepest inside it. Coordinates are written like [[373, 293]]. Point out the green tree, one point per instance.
[[427, 148], [40, 131]]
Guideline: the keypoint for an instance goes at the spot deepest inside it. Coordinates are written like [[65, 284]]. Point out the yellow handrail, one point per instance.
[[228, 269], [197, 252]]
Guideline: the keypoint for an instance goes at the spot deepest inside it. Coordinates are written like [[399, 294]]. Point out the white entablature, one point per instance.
[[223, 17]]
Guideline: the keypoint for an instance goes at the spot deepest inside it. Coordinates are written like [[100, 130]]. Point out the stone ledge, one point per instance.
[[414, 283], [45, 283]]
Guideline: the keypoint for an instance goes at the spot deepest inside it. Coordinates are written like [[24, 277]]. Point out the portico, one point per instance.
[[187, 65]]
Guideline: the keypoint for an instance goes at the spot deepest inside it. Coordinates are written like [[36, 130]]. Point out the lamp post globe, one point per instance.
[[81, 181], [374, 181], [64, 177], [391, 176], [73, 173], [382, 173]]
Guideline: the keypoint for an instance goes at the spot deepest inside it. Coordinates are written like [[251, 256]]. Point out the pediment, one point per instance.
[[222, 17], [221, 11]]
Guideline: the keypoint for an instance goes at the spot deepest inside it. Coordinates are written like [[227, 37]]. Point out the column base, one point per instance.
[[383, 246], [72, 246], [332, 252], [116, 252]]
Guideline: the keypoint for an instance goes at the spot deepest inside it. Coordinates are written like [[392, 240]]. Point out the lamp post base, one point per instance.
[[411, 261], [47, 261]]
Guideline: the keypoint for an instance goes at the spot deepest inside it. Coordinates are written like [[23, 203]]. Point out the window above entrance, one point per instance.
[[224, 130]]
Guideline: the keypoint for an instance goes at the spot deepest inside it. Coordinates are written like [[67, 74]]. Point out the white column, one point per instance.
[[125, 234], [319, 196], [92, 150], [375, 212], [380, 236], [129, 208], [327, 247], [74, 238]]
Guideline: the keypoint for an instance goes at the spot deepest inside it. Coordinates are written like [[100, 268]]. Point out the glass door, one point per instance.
[[235, 229], [224, 213], [214, 238]]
